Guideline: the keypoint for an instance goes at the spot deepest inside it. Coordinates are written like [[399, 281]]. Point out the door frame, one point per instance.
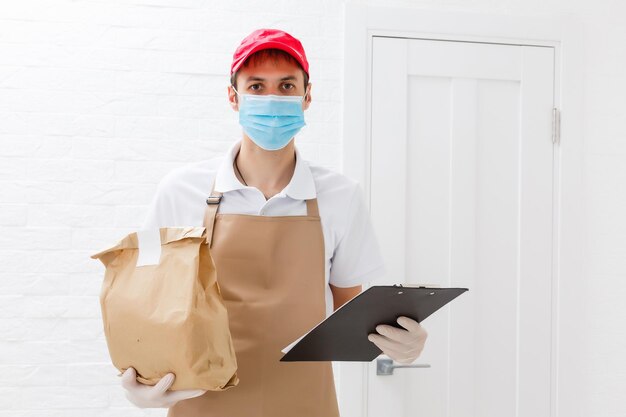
[[362, 23]]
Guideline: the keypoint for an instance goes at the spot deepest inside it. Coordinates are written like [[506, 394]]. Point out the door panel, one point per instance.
[[461, 195]]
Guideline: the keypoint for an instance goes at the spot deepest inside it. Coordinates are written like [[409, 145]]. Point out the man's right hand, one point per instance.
[[157, 396]]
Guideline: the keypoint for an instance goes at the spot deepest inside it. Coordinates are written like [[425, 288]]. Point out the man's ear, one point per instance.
[[233, 100], [307, 98]]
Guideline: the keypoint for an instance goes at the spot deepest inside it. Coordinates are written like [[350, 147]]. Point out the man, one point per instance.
[[291, 243]]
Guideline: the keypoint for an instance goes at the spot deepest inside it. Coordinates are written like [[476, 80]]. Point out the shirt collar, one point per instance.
[[300, 187]]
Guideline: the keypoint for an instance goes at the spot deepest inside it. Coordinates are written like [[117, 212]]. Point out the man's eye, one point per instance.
[[255, 87], [288, 86]]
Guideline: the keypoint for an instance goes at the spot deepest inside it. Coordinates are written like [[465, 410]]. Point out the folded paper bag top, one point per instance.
[[163, 311]]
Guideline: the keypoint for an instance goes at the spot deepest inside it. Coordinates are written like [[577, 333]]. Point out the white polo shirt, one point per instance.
[[352, 253]]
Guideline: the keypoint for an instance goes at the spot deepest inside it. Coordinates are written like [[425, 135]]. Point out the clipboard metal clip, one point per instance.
[[417, 286]]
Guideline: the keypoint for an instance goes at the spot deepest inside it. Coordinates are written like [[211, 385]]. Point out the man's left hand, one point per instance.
[[403, 346]]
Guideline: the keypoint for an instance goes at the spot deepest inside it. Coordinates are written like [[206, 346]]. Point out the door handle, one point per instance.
[[386, 366]]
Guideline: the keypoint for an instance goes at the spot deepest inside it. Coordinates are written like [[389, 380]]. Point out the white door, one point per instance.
[[461, 195]]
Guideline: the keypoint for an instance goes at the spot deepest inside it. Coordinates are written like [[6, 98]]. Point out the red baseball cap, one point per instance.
[[266, 39]]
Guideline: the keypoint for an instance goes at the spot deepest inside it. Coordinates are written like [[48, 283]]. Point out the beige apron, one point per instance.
[[270, 270]]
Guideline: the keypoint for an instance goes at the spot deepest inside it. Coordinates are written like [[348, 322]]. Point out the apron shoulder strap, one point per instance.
[[311, 207], [212, 202]]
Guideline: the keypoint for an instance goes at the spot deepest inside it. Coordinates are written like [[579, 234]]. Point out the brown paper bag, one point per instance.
[[167, 316]]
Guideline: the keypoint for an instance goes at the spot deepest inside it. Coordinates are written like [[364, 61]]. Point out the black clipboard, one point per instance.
[[342, 336]]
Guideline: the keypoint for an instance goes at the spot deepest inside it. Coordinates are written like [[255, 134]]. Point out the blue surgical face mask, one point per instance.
[[271, 121]]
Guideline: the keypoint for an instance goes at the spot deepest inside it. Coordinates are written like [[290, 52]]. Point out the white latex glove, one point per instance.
[[154, 396], [403, 346]]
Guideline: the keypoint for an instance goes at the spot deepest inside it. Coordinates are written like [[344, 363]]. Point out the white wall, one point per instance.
[[99, 99]]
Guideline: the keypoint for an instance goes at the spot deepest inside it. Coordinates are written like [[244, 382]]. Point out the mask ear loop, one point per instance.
[[305, 93], [237, 92]]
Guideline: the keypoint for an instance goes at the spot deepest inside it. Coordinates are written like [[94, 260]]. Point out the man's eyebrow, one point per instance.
[[287, 78]]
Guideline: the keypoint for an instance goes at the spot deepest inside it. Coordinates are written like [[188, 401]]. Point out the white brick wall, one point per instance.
[[99, 99]]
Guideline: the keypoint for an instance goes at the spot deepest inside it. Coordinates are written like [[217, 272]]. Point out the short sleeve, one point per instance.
[[357, 258], [161, 211]]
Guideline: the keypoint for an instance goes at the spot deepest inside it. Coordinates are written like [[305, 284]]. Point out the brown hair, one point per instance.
[[265, 54]]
